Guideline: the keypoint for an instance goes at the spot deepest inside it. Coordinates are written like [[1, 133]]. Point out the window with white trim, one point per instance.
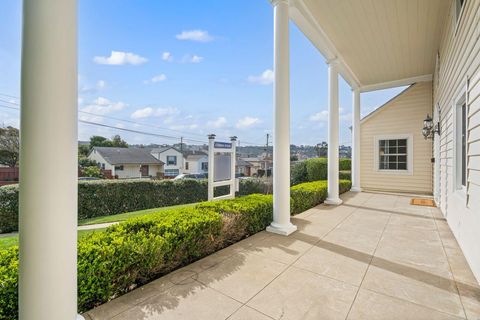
[[171, 160], [461, 144], [393, 154]]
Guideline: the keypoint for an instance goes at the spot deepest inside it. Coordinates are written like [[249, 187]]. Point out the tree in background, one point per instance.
[[99, 141], [321, 149], [9, 146]]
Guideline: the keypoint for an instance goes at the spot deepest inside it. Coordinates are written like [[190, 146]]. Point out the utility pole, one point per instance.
[[266, 156]]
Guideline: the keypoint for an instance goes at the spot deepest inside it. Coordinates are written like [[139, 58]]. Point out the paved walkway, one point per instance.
[[374, 257]]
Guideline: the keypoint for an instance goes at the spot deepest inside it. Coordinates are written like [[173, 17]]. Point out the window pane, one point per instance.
[[402, 142], [402, 150], [464, 145], [402, 166], [402, 159], [392, 150], [392, 166]]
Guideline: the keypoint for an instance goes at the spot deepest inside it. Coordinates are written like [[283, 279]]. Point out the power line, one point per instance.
[[129, 121]]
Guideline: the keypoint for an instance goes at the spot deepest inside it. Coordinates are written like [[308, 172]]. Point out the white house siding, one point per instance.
[[131, 171], [403, 115], [162, 156], [195, 165], [459, 60], [94, 155]]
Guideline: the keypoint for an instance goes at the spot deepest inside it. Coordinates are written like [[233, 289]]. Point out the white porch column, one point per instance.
[[356, 140], [281, 128], [48, 161], [333, 133]]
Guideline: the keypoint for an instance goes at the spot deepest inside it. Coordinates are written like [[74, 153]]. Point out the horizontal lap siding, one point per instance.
[[460, 60], [402, 115]]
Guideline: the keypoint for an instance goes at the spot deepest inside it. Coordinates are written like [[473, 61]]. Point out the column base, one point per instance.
[[282, 229], [333, 201], [356, 189]]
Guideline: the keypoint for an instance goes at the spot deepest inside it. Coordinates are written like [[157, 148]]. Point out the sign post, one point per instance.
[[221, 166]]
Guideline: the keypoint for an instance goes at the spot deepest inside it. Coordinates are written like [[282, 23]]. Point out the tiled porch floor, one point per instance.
[[374, 257]]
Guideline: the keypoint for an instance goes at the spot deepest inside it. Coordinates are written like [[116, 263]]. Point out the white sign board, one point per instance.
[[221, 166]]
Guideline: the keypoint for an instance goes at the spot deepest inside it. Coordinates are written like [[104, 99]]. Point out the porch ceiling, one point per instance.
[[376, 41]]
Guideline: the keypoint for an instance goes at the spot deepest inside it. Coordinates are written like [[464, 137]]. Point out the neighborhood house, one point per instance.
[[127, 163]]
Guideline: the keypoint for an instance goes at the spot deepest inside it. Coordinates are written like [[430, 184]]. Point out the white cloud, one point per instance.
[[196, 59], [218, 123], [322, 116], [102, 106], [120, 58], [151, 112], [265, 78], [157, 78], [191, 59], [195, 35], [101, 84], [319, 116], [247, 122], [167, 56]]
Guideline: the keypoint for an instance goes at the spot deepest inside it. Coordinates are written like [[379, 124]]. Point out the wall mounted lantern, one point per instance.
[[429, 129]]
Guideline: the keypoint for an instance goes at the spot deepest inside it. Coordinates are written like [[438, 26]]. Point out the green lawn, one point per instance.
[[6, 242], [128, 215]]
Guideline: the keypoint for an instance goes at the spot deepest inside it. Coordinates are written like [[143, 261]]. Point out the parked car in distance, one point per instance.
[[191, 176]]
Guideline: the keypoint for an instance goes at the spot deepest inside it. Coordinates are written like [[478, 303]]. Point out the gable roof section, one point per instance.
[[126, 155], [163, 149], [386, 104]]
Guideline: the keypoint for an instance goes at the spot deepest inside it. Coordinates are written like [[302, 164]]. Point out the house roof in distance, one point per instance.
[[126, 155], [163, 149], [193, 155]]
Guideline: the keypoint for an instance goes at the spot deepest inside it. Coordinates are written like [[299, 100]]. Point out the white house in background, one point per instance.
[[395, 156], [127, 163], [172, 158], [195, 162]]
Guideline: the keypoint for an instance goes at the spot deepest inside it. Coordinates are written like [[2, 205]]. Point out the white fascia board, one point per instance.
[[306, 22], [396, 83]]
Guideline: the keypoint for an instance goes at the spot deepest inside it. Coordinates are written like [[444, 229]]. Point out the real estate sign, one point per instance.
[[221, 166]]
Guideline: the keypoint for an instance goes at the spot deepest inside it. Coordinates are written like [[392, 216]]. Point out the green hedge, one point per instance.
[[110, 197], [308, 195], [315, 169], [134, 252]]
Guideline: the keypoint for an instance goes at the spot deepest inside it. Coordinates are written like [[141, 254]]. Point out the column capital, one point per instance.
[[277, 2]]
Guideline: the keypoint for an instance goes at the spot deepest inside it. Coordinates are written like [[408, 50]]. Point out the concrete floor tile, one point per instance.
[[470, 297], [281, 248], [242, 276], [108, 310], [247, 313], [335, 262], [373, 306], [413, 285], [300, 294], [190, 301]]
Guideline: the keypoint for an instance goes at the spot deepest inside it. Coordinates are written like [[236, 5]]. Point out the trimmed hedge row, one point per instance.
[[109, 197], [308, 195], [315, 169], [134, 252]]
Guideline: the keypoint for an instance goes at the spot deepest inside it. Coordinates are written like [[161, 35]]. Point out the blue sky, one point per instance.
[[185, 68]]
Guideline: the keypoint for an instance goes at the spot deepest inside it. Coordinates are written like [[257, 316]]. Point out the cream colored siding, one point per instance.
[[402, 116], [133, 171], [459, 61], [94, 155]]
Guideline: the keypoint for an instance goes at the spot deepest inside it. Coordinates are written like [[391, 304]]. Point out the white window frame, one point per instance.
[[409, 138], [171, 156], [459, 101]]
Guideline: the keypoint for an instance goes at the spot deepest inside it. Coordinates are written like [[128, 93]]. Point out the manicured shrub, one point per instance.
[[315, 169], [109, 197], [298, 173], [141, 249], [308, 195], [254, 212], [345, 175], [9, 283], [136, 251], [8, 208]]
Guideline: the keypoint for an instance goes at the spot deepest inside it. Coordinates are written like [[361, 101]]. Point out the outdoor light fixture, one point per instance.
[[429, 129]]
